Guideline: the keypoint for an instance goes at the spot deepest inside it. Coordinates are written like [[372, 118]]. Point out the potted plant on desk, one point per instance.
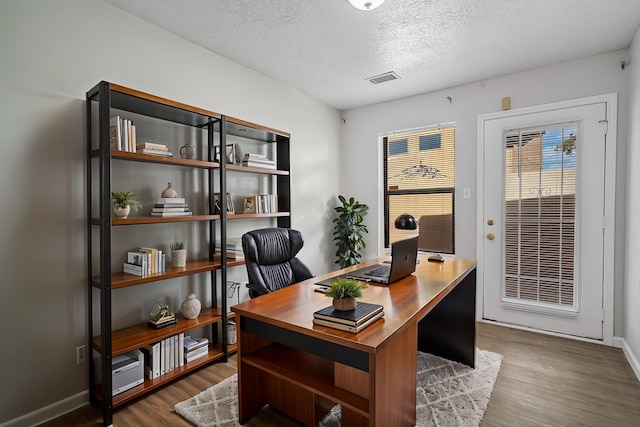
[[344, 293]]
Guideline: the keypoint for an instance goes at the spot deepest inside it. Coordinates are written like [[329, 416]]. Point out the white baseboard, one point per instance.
[[50, 412], [620, 342]]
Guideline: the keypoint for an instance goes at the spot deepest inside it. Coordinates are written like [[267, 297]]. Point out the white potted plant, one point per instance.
[[122, 202], [178, 255]]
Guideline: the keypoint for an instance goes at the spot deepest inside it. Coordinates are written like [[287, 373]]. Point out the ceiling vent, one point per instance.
[[382, 78]]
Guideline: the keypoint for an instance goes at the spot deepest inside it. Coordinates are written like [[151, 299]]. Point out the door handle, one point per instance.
[[490, 236]]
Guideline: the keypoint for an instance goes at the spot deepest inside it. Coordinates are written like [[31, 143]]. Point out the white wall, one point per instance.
[[52, 53], [362, 153], [632, 253]]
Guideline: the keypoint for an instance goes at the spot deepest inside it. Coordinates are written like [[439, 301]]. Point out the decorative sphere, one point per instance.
[[190, 307]]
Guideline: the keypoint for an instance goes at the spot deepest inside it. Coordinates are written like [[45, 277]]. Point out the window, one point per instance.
[[419, 174]]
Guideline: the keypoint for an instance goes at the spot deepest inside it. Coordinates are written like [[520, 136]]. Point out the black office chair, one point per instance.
[[270, 257]]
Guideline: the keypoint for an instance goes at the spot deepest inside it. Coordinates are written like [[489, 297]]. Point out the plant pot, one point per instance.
[[121, 212], [344, 304], [178, 257]]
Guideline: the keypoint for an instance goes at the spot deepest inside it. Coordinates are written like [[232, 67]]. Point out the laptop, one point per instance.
[[404, 255]]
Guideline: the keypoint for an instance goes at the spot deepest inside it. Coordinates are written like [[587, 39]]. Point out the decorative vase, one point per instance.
[[169, 192], [344, 304], [190, 307], [121, 212], [178, 257]]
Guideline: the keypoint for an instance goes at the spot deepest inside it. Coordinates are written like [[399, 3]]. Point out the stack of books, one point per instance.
[[170, 206], [154, 149], [163, 322], [122, 134], [258, 161], [350, 321], [144, 262], [234, 248], [195, 348], [164, 356]]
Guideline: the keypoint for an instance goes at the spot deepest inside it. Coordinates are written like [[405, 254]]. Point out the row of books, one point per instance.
[[166, 207], [154, 149], [258, 161], [145, 261], [234, 248], [351, 321], [164, 356], [122, 134]]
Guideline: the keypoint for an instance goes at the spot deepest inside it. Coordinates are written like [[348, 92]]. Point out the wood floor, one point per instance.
[[543, 381]]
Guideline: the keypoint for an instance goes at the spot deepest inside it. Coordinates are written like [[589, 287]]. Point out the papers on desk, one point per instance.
[[350, 321]]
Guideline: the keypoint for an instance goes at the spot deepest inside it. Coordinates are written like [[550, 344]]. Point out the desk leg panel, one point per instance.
[[394, 368], [449, 329]]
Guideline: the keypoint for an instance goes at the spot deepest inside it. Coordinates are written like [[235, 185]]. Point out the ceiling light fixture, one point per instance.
[[366, 4]]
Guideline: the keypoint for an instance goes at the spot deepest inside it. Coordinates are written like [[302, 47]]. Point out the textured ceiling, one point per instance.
[[327, 48]]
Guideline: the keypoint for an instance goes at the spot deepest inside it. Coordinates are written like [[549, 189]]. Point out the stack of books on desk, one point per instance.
[[350, 321]]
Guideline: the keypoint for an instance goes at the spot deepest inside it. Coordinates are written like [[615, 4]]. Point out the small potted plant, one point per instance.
[[122, 202], [344, 293], [178, 255]]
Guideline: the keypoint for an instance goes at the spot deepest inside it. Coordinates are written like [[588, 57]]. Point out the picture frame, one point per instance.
[[250, 204], [217, 204]]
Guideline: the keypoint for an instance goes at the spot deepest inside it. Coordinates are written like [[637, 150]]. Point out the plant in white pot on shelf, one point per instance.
[[178, 255], [344, 293], [122, 202]]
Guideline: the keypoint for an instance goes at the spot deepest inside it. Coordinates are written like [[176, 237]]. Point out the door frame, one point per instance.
[[609, 201]]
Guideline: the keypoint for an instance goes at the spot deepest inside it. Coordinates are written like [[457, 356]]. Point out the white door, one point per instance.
[[543, 213]]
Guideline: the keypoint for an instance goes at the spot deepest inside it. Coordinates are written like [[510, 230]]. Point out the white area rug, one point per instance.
[[447, 394]]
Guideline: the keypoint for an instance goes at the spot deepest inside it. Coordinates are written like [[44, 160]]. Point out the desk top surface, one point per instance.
[[407, 300]]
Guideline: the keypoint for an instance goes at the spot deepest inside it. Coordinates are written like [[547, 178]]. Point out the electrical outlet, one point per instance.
[[81, 354]]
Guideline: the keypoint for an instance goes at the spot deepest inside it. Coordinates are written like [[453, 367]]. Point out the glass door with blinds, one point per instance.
[[419, 178], [543, 211]]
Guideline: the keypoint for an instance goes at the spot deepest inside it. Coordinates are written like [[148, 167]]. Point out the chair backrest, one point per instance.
[[270, 257]]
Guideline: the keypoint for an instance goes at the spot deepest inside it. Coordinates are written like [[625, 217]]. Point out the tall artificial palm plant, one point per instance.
[[349, 231]]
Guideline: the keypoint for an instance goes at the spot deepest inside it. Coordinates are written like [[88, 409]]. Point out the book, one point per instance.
[[348, 328], [181, 209], [152, 360], [363, 312], [256, 164], [152, 146], [162, 200], [256, 156], [115, 128], [170, 205], [196, 354], [154, 152], [171, 214]]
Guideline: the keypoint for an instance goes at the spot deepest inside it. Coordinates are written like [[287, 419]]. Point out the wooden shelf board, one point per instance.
[[159, 220], [284, 362], [123, 280], [137, 336], [240, 168], [261, 215]]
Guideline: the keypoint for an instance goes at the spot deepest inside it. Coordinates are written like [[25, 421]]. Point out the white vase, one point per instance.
[[178, 257], [121, 212], [190, 307], [169, 192]]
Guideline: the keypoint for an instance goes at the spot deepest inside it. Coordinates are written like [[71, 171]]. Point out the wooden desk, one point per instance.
[[302, 369]]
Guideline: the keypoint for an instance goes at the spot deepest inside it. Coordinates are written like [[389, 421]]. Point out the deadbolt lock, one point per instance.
[[490, 222]]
